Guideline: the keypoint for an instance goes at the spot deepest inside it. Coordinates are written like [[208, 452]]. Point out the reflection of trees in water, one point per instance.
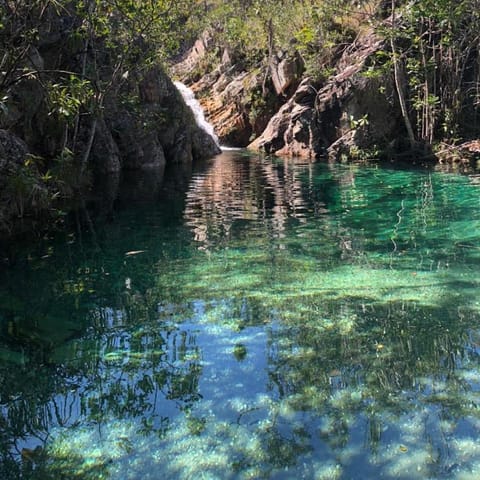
[[398, 359], [248, 189], [123, 368]]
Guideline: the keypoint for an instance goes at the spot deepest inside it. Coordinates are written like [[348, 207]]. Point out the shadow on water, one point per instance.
[[250, 319]]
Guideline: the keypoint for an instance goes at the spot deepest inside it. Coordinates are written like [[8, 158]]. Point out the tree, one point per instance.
[[99, 45], [438, 43]]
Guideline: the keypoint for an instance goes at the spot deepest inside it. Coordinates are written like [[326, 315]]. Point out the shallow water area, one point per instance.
[[265, 318]]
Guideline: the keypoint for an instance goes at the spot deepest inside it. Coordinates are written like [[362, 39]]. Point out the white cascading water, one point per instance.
[[193, 103]]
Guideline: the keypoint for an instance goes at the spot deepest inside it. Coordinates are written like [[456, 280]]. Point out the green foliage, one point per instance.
[[305, 36], [359, 122], [312, 28], [437, 43], [26, 187], [106, 45], [67, 98], [61, 65], [108, 38]]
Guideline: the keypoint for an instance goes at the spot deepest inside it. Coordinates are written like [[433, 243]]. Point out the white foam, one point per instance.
[[194, 105]]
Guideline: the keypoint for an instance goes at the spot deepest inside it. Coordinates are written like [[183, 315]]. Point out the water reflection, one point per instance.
[[249, 189], [280, 320]]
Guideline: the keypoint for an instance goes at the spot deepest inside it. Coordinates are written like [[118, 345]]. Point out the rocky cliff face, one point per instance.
[[161, 129], [284, 112], [346, 112], [237, 100], [165, 132]]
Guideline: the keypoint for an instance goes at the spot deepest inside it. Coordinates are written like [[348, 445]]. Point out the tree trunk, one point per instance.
[[88, 148], [399, 85]]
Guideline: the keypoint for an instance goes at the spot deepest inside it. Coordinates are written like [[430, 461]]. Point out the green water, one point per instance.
[[264, 319]]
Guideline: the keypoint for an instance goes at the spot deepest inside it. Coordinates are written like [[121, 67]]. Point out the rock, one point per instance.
[[187, 67], [292, 131], [140, 148], [301, 137], [224, 109], [201, 46], [144, 123], [343, 146], [466, 154], [234, 99], [234, 104], [226, 57], [105, 153], [165, 132], [349, 111], [203, 146], [13, 151], [305, 93], [181, 138], [472, 146], [285, 71], [34, 59], [272, 139], [155, 87]]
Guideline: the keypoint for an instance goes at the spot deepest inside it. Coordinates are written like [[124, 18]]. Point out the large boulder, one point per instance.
[[144, 121], [225, 105], [161, 129], [292, 131], [105, 152], [139, 146], [181, 139], [237, 102]]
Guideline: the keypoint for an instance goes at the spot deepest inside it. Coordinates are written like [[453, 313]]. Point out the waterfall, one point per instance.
[[193, 103]]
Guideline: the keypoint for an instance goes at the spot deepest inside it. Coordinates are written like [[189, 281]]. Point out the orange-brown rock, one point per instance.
[[235, 101]]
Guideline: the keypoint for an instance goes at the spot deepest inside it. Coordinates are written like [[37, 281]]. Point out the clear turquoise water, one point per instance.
[[275, 320]]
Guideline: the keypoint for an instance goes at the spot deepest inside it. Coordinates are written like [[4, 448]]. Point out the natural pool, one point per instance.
[[268, 319]]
